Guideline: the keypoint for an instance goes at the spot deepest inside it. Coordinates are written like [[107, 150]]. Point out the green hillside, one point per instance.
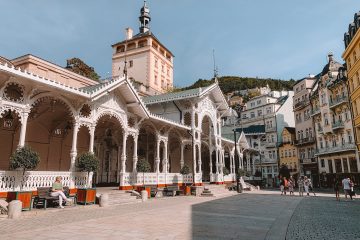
[[232, 83]]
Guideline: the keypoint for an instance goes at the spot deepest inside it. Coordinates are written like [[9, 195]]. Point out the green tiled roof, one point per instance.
[[174, 95], [228, 133]]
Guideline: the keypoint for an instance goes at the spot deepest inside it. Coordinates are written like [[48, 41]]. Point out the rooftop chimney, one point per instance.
[[129, 33]]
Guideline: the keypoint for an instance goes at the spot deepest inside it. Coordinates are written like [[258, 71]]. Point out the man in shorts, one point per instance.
[[347, 188]]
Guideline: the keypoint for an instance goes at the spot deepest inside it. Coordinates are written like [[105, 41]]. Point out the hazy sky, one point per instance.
[[265, 38]]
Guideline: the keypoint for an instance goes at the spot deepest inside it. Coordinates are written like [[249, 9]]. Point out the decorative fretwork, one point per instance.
[[14, 92], [85, 111]]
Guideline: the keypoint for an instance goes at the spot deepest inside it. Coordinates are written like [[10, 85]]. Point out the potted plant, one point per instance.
[[23, 159], [87, 162], [185, 170], [143, 167]]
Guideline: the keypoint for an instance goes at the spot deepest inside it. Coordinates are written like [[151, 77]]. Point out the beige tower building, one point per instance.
[[145, 60]]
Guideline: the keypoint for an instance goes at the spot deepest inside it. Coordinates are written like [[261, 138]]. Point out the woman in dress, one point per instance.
[[291, 185]]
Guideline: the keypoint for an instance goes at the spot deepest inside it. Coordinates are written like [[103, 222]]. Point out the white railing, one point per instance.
[[131, 179], [15, 181], [229, 178]]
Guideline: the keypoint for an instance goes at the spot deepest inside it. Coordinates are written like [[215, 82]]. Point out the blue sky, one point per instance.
[[278, 39]]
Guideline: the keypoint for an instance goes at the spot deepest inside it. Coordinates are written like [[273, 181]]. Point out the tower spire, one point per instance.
[[144, 18]]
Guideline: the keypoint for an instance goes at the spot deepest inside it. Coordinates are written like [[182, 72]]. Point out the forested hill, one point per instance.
[[232, 83]]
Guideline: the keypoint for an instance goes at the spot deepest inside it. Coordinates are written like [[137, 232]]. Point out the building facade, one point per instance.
[[288, 155], [60, 115], [336, 150], [263, 120], [351, 56], [304, 127]]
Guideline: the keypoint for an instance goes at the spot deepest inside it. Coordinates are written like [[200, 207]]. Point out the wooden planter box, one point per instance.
[[86, 195], [187, 190], [24, 196]]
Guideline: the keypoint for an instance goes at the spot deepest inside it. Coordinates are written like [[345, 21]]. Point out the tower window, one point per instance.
[[155, 80]]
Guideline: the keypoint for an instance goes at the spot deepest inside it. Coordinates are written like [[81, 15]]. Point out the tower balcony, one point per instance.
[[338, 101]]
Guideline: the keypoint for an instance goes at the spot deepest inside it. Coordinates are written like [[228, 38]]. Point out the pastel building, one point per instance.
[[149, 64], [336, 149], [263, 120], [304, 127], [288, 152]]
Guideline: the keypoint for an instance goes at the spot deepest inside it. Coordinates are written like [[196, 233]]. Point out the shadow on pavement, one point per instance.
[[243, 216]]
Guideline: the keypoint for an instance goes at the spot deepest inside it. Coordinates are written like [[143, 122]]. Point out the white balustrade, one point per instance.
[[31, 180], [131, 179]]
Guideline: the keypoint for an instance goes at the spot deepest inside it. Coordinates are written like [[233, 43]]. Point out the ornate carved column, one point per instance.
[[217, 161], [165, 158], [73, 152], [24, 119], [199, 160], [92, 135], [222, 164], [123, 154], [182, 156], [135, 157], [157, 158]]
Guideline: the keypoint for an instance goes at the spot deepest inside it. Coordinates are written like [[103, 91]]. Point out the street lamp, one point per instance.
[[192, 155], [238, 186]]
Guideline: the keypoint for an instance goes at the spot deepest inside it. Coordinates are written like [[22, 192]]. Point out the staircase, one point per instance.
[[212, 190], [119, 197]]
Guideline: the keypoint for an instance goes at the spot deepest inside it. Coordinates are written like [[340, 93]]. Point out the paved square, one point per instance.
[[244, 216]]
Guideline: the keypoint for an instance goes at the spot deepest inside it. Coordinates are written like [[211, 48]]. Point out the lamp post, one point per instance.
[[238, 187]]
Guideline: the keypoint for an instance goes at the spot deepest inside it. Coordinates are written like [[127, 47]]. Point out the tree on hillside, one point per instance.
[[76, 65]]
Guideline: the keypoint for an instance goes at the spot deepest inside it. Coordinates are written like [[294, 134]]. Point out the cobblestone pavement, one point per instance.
[[257, 215], [325, 218]]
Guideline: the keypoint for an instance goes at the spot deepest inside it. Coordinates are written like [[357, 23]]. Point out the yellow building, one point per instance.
[[351, 56], [287, 150]]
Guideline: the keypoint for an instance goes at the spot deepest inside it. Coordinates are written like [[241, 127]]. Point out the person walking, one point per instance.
[[301, 186], [347, 189], [311, 187], [306, 185], [291, 185], [282, 186], [351, 183], [337, 188]]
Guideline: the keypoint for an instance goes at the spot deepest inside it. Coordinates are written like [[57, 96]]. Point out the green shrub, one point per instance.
[[143, 166], [185, 170], [24, 158], [226, 171], [87, 162]]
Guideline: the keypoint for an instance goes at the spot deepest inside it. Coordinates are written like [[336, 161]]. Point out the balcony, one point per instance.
[[270, 129], [338, 125], [307, 160], [301, 105], [304, 141], [338, 100], [315, 111], [336, 149], [320, 129], [270, 144]]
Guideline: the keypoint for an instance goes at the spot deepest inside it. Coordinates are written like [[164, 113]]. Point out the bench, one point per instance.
[[172, 191], [45, 199]]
